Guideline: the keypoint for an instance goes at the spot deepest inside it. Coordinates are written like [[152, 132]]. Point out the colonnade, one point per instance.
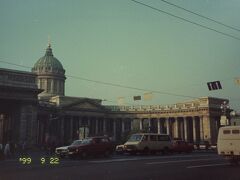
[[192, 129], [186, 128]]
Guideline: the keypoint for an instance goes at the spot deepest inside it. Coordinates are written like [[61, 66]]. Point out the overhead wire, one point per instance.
[[186, 20], [200, 15], [113, 84]]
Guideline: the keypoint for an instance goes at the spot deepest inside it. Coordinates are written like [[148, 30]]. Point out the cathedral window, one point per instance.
[[54, 86], [49, 81], [42, 84]]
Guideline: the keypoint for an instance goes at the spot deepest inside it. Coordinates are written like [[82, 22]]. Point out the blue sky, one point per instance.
[[121, 42]]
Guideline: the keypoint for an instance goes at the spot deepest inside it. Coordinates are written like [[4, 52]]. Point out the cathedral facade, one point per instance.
[[34, 108]]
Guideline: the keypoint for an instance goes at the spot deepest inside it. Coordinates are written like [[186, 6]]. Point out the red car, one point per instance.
[[182, 146], [92, 146]]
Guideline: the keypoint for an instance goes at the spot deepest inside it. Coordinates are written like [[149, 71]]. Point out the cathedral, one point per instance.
[[35, 109]]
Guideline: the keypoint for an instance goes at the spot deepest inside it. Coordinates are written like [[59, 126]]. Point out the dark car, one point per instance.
[[202, 145], [119, 149], [182, 146], [92, 146], [63, 151]]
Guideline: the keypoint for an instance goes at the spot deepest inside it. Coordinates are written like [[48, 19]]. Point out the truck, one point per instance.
[[228, 143]]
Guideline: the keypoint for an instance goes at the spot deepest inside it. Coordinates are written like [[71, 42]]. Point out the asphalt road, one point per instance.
[[194, 166]]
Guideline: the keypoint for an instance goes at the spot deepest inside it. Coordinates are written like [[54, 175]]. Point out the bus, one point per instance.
[[228, 143]]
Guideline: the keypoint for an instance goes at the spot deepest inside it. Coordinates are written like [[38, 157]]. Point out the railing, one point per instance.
[[156, 107]]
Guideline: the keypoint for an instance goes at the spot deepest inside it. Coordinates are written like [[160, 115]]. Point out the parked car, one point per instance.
[[119, 149], [148, 143], [63, 151], [202, 145], [100, 145], [213, 147], [182, 146]]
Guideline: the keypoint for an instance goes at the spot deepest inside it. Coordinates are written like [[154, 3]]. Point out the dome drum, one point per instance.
[[50, 75]]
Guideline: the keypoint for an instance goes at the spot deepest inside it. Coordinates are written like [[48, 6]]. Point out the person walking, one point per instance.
[[1, 152], [7, 150]]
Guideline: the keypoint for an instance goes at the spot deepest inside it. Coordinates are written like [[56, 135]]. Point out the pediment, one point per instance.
[[85, 105]]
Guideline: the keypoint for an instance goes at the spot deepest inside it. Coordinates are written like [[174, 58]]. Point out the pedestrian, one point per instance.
[[53, 147], [24, 148], [7, 150], [1, 152]]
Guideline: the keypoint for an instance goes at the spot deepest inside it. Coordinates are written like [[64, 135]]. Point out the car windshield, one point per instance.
[[86, 141], [135, 137], [76, 142]]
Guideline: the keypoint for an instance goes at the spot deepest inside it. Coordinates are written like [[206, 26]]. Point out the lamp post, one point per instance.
[[224, 106], [233, 115]]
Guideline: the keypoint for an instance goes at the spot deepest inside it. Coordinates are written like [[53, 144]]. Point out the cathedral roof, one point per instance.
[[48, 63]]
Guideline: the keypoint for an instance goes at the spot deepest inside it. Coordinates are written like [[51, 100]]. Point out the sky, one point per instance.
[[126, 43]]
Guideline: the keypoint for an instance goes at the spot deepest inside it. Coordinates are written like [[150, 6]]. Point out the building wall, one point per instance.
[[192, 121], [18, 106]]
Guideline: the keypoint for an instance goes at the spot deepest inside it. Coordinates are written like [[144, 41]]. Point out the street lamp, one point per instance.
[[224, 106]]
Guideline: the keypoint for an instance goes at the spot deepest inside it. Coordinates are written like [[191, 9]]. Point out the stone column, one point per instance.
[[88, 122], [149, 125], [104, 125], [123, 126], [52, 86], [167, 125], [181, 129], [96, 126], [158, 126], [201, 128], [141, 124], [206, 128], [62, 129], [89, 125], [71, 127], [185, 124], [176, 128], [194, 129], [131, 128], [162, 126], [114, 129], [28, 123], [1, 128]]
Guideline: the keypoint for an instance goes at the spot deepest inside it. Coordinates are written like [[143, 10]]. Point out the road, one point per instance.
[[197, 166]]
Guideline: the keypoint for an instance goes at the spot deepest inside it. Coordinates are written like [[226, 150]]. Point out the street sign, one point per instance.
[[215, 85], [136, 98]]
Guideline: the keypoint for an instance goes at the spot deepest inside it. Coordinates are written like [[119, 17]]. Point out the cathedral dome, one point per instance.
[[48, 63]]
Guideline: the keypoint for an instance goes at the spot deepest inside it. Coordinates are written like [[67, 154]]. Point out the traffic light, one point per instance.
[[215, 85]]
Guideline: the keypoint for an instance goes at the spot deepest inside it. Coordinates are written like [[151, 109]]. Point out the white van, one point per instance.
[[148, 142], [228, 143]]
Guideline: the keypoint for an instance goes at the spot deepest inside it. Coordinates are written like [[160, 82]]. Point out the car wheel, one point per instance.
[[233, 162], [84, 155], [146, 150], [133, 153], [165, 150], [107, 153]]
